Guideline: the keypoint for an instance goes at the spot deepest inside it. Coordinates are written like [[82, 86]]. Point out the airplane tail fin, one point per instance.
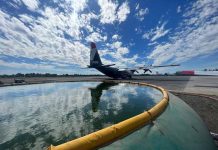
[[94, 56]]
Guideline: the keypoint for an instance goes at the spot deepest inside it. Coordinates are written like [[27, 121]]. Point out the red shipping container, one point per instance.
[[188, 72]]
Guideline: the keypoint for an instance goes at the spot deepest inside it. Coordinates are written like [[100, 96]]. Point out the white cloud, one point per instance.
[[178, 9], [31, 4], [138, 30], [44, 37], [146, 35], [43, 67], [77, 5], [118, 53], [157, 33], [15, 3], [56, 37], [122, 12], [123, 50], [85, 20], [110, 12], [116, 45], [26, 18], [115, 37], [96, 37], [140, 15], [192, 38], [137, 7], [26, 65], [72, 6]]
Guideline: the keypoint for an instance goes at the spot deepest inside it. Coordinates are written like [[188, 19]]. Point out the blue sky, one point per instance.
[[53, 36]]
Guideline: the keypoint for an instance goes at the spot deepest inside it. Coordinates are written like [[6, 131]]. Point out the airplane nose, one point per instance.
[[93, 45]]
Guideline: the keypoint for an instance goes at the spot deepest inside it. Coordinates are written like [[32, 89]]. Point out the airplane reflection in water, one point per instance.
[[34, 116], [97, 92]]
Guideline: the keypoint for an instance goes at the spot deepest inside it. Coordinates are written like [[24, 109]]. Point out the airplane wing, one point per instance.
[[148, 68], [160, 66], [109, 65], [172, 65]]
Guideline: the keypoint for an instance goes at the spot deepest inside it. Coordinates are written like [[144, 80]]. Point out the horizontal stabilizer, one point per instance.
[[108, 65]]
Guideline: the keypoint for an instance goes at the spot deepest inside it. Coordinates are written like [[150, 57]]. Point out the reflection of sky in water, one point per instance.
[[34, 116]]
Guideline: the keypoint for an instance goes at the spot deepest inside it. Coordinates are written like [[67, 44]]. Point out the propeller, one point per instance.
[[145, 70], [133, 70]]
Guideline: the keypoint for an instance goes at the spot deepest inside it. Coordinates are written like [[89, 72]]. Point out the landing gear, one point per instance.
[[126, 77]]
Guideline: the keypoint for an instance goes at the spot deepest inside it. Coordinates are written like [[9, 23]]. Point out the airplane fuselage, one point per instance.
[[114, 72]]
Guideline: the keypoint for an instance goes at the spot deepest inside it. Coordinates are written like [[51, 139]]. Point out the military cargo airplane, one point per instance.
[[116, 73]]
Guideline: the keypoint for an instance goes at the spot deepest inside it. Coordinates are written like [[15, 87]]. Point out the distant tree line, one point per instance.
[[216, 69], [21, 75]]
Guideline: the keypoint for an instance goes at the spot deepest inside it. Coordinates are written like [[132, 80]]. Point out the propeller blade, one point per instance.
[[145, 70]]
